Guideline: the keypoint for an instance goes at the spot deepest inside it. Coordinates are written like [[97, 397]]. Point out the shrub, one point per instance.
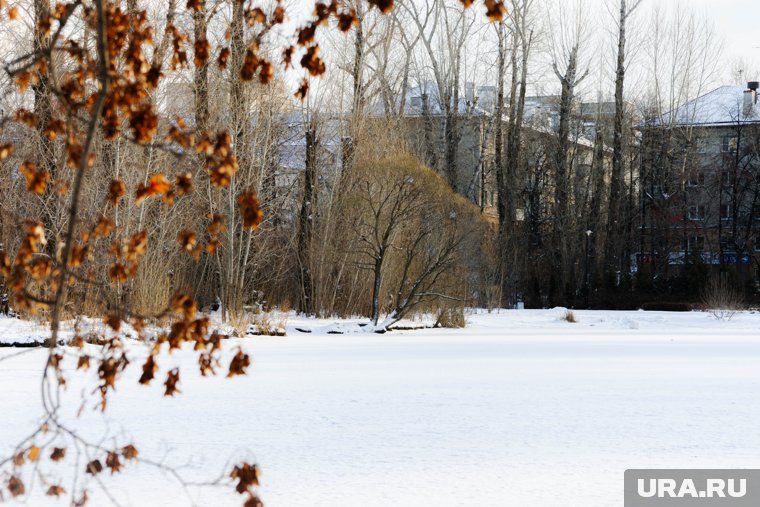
[[570, 317], [240, 323], [413, 240], [92, 338], [451, 318], [722, 299], [265, 324]]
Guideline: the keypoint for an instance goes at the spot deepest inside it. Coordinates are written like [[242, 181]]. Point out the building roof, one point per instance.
[[721, 107], [603, 109], [428, 92]]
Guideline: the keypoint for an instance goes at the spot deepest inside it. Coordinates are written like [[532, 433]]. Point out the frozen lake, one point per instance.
[[520, 408]]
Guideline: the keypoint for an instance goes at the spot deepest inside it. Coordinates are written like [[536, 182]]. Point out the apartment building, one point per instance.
[[700, 186]]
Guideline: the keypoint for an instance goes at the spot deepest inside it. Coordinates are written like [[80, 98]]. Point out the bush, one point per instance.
[[414, 241], [452, 318], [570, 317], [722, 299], [265, 324]]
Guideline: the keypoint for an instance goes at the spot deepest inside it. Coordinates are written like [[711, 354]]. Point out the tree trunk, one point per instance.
[[613, 247], [306, 222], [595, 223], [200, 76], [377, 285], [498, 161], [562, 181], [507, 239], [431, 159], [452, 137], [43, 110], [357, 106]]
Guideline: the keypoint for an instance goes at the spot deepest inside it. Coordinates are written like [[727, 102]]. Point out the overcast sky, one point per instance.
[[738, 21]]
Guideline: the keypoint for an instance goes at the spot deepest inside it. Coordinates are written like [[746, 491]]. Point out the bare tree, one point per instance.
[[410, 233], [615, 226], [307, 217], [443, 29], [522, 44], [567, 41]]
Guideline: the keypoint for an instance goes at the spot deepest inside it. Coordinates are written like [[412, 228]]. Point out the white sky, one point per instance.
[[738, 22]]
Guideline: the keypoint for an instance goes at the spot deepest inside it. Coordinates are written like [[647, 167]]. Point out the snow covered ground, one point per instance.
[[519, 409]]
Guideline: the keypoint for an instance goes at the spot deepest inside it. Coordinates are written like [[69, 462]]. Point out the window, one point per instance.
[[729, 177], [662, 190], [695, 244], [725, 212], [696, 212], [728, 144], [757, 243], [696, 179]]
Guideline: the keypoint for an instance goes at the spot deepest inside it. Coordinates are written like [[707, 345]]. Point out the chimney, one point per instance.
[[753, 86], [487, 97], [469, 92], [750, 98]]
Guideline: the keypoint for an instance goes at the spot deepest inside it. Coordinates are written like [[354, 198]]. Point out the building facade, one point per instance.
[[700, 187]]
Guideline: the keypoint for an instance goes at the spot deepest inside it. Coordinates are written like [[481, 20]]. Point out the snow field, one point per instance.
[[521, 408]]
